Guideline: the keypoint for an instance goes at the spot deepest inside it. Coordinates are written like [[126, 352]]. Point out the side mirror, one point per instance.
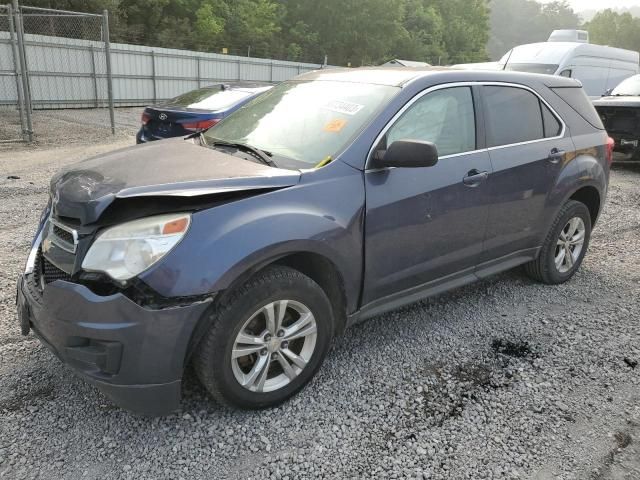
[[607, 92], [406, 154]]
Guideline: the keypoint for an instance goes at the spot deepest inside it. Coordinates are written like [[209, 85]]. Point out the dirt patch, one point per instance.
[[613, 465], [517, 349], [28, 396]]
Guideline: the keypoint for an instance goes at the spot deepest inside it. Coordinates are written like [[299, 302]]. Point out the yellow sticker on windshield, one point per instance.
[[335, 125]]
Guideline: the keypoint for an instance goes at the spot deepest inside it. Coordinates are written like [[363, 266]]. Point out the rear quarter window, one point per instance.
[[577, 99]]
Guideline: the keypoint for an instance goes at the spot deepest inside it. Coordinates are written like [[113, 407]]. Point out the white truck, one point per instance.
[[568, 53]]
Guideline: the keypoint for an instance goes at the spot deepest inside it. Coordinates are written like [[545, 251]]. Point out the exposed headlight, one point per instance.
[[127, 250]]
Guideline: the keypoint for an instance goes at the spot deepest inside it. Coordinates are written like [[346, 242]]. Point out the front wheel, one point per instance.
[[266, 341], [565, 246]]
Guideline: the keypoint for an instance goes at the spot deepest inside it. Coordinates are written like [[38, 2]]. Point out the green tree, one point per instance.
[[356, 32], [615, 29], [466, 30], [252, 23], [210, 22], [422, 38], [517, 22]]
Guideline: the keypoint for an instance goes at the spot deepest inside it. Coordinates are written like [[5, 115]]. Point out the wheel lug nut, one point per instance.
[[284, 344], [267, 337], [263, 352], [280, 333]]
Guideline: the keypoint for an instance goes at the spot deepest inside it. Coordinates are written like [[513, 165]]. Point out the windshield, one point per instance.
[[630, 86], [546, 68], [304, 121], [211, 98]]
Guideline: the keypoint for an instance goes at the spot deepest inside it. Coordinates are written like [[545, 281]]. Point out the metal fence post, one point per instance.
[[23, 70], [199, 72], [107, 52], [16, 68], [153, 76], [94, 75]]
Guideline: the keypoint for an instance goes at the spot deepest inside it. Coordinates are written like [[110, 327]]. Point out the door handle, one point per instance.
[[473, 178], [555, 155]]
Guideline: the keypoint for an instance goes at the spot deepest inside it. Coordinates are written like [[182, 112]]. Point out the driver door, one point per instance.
[[425, 224]]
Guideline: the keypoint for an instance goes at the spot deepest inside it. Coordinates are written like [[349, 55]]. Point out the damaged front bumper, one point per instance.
[[133, 354]]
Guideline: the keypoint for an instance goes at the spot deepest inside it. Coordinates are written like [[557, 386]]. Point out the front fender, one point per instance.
[[319, 215]]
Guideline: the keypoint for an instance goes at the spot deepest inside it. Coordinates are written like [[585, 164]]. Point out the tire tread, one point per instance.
[[538, 269], [212, 339]]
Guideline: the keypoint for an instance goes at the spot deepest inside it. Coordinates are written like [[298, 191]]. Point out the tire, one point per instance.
[[544, 268], [247, 309]]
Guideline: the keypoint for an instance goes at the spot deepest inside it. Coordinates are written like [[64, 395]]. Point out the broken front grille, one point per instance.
[[63, 236], [45, 272]]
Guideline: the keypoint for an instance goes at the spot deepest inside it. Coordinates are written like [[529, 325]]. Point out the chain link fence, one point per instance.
[[68, 80], [13, 126], [55, 73], [57, 84]]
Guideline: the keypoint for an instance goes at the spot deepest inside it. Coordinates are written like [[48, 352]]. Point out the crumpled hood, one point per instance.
[[158, 169], [617, 102]]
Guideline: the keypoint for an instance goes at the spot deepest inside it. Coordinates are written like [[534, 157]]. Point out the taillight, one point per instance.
[[145, 118], [609, 150], [201, 125]]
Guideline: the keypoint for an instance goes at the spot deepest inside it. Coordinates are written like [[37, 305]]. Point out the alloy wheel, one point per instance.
[[274, 345], [570, 244]]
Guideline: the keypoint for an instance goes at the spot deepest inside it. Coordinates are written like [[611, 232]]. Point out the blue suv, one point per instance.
[[327, 200]]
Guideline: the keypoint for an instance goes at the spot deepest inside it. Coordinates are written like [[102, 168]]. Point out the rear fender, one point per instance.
[[582, 170]]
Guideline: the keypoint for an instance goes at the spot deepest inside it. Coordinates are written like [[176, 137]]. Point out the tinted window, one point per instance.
[[546, 68], [514, 115], [445, 117], [552, 127], [578, 100], [211, 98]]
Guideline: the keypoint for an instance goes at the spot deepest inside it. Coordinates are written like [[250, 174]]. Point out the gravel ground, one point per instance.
[[502, 379], [69, 126]]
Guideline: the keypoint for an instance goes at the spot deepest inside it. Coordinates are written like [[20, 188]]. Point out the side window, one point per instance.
[[445, 117], [552, 127], [514, 115]]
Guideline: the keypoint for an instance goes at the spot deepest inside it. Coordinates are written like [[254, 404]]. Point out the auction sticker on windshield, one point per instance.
[[335, 125], [342, 106]]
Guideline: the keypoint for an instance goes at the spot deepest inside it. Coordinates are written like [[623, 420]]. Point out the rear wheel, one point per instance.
[[565, 246], [266, 341]]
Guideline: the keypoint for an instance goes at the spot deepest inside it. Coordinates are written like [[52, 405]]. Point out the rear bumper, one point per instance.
[[133, 354], [143, 136]]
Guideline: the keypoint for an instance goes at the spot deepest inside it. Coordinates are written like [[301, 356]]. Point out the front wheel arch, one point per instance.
[[314, 265]]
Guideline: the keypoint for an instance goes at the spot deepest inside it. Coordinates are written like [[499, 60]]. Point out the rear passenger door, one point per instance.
[[528, 145]]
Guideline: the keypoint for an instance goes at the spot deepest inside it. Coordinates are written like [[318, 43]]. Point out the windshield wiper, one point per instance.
[[262, 155]]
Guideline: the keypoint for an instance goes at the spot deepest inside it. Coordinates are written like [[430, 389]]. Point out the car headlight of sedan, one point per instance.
[[126, 250]]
